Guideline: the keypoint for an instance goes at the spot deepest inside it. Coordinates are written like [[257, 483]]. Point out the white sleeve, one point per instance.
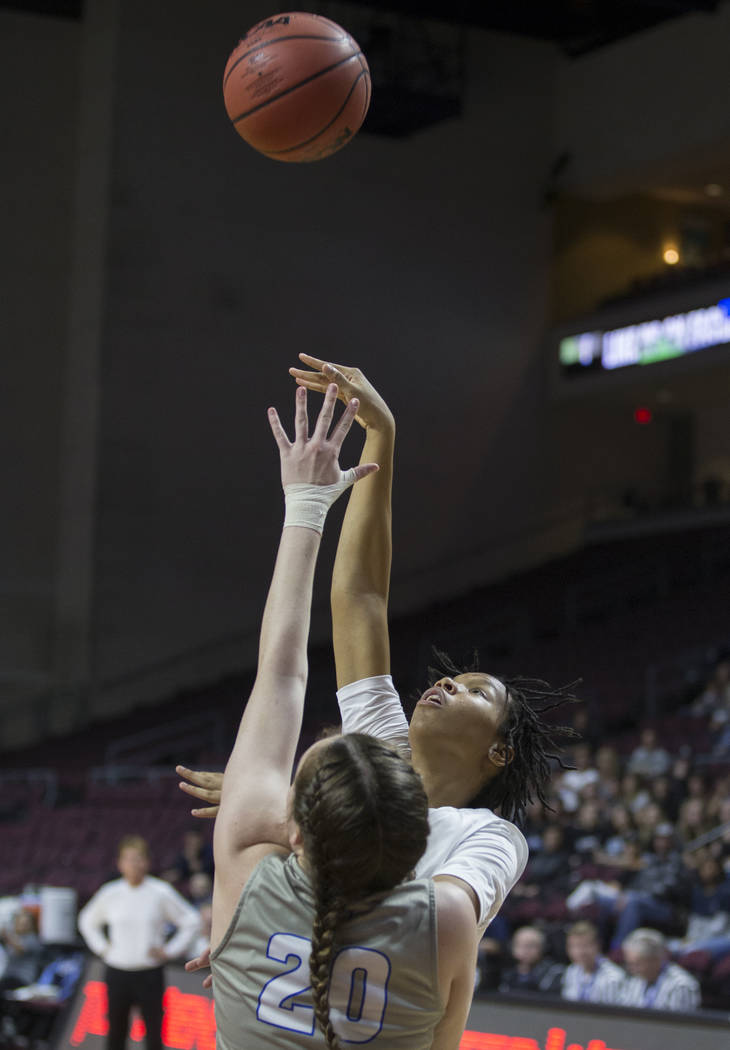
[[372, 706], [184, 917], [90, 921], [490, 860]]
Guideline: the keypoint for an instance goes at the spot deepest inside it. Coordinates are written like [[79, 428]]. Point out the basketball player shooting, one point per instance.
[[316, 920], [479, 742]]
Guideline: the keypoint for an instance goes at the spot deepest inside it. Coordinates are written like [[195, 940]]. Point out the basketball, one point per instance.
[[297, 87]]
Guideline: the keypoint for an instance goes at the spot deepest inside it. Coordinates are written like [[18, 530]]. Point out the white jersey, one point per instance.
[[475, 845]]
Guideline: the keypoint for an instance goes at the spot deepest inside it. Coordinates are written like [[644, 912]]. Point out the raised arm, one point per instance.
[[361, 577], [256, 781]]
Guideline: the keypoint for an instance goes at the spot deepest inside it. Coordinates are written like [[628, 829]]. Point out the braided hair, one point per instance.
[[535, 742], [363, 816]]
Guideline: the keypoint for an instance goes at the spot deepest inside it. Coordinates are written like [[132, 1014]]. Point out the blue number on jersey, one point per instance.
[[358, 990]]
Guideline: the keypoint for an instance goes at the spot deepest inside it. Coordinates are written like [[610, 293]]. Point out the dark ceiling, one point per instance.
[[576, 26]]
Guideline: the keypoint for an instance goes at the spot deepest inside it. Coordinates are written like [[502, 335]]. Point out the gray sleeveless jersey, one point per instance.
[[384, 984]]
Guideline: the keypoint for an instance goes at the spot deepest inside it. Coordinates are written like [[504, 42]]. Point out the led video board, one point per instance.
[[495, 1022], [645, 343]]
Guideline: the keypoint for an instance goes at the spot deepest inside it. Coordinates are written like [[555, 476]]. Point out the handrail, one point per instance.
[[709, 836]]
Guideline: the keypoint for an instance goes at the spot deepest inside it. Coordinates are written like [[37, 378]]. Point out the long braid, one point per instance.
[[329, 911], [363, 817], [326, 922]]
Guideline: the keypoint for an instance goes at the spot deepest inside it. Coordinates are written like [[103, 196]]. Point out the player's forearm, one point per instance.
[[362, 563], [285, 625], [361, 578]]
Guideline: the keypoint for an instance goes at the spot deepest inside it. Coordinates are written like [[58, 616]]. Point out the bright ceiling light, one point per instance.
[[670, 256]]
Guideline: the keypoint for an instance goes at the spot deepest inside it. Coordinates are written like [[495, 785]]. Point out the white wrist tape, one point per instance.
[[307, 504]]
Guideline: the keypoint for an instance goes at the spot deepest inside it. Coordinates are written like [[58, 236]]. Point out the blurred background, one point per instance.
[[536, 190]]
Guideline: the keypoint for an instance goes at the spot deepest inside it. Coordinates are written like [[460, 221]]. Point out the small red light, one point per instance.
[[642, 416]]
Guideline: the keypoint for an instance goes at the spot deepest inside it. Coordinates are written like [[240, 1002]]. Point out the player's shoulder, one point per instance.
[[481, 824], [455, 913], [379, 685]]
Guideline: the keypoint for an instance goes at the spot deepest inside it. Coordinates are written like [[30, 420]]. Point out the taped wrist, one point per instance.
[[307, 504]]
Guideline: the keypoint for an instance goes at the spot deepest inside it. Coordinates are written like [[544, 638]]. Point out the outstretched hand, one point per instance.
[[204, 785], [351, 383], [314, 460]]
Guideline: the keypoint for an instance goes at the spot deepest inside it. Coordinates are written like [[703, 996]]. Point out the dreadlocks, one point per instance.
[[534, 741]]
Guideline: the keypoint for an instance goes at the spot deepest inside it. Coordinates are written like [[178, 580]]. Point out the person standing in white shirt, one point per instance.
[[136, 911]]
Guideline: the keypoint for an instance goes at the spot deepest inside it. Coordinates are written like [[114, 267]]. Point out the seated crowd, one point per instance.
[[630, 870], [625, 899]]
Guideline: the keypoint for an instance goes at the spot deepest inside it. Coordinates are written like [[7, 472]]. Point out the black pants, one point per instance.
[[128, 988]]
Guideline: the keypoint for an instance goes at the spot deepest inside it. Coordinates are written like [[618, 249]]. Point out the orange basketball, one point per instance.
[[297, 87]]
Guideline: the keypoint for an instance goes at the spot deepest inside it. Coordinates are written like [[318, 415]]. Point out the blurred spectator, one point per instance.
[[125, 923], [621, 831], [681, 769], [196, 855], [570, 784], [27, 1017], [533, 972], [632, 792], [714, 700], [609, 772], [548, 869], [648, 759], [607, 763], [590, 978], [606, 885], [696, 786], [721, 847], [656, 983], [200, 889], [647, 819], [23, 951], [708, 926], [657, 893], [589, 830], [664, 792], [62, 975], [693, 819]]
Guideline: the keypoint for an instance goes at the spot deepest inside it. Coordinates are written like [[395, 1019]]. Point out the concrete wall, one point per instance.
[[38, 84], [646, 106], [392, 255]]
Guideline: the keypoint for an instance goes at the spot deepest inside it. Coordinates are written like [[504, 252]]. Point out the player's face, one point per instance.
[[468, 709]]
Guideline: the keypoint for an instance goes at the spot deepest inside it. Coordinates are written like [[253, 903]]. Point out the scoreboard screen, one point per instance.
[[645, 343]]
